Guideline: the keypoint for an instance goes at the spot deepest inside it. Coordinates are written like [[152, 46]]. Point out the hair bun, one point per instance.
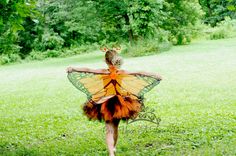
[[112, 58], [118, 61]]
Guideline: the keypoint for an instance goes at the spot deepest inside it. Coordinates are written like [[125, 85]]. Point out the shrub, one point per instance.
[[224, 29], [79, 50], [52, 53], [219, 34], [4, 59], [36, 55], [39, 55], [182, 36], [145, 47], [9, 50], [9, 58], [49, 41], [8, 44]]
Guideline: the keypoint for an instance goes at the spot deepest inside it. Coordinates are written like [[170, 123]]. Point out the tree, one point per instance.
[[12, 15], [180, 18], [128, 20], [217, 10]]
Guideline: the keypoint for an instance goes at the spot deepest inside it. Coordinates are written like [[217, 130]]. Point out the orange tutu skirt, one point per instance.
[[114, 108]]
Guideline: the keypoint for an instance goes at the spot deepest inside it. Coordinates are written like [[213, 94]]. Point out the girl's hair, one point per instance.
[[112, 58]]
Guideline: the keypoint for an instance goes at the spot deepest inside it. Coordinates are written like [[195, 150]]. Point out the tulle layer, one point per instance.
[[116, 107]]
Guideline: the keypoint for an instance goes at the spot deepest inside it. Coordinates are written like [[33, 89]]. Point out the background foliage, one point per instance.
[[54, 28], [217, 10]]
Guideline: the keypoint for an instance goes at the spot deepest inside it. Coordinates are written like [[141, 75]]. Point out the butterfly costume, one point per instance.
[[113, 93]]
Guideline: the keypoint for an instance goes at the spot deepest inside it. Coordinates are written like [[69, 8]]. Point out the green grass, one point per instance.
[[41, 111]]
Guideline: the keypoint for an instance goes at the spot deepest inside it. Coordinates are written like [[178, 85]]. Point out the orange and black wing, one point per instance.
[[136, 84], [100, 87], [93, 85]]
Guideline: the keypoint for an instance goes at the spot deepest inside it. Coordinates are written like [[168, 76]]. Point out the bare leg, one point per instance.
[[111, 136], [115, 135]]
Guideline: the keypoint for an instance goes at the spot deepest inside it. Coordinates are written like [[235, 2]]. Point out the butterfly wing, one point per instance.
[[100, 87], [97, 87], [136, 84]]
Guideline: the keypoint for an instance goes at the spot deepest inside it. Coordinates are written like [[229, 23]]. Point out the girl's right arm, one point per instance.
[[87, 70]]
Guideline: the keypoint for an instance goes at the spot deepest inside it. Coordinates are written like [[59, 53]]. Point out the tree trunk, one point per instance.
[[209, 8], [130, 32]]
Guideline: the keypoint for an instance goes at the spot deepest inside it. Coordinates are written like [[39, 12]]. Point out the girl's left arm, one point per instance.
[[155, 75]]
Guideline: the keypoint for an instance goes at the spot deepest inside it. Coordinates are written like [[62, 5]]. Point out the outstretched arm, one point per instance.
[[87, 70], [154, 75]]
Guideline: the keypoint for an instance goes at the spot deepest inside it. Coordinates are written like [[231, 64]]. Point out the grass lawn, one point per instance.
[[40, 111]]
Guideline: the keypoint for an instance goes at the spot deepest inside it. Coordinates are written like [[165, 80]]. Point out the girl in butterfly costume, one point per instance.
[[113, 94]]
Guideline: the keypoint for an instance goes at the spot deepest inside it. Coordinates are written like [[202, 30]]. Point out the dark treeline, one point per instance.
[[31, 27]]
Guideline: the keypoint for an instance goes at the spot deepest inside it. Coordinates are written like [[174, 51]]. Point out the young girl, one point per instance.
[[113, 94]]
